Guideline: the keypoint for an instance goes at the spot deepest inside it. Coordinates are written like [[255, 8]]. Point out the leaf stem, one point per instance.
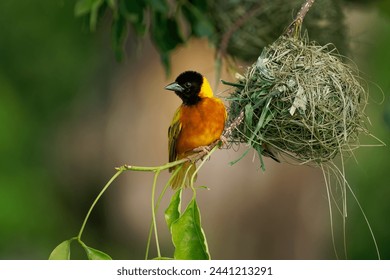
[[154, 212], [151, 168], [201, 164], [95, 201], [156, 209]]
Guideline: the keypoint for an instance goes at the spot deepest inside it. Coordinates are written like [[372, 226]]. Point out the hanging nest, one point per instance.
[[300, 100], [256, 24]]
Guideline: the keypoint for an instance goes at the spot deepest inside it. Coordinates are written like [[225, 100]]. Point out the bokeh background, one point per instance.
[[70, 113]]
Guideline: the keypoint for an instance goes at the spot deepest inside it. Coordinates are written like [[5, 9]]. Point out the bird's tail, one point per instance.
[[182, 178]]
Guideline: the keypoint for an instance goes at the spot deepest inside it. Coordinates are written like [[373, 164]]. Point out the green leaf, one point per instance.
[[240, 158], [94, 254], [232, 84], [201, 25], [83, 7], [91, 7], [264, 115], [248, 120], [61, 252], [159, 6], [248, 115], [259, 150], [119, 35], [111, 4], [94, 14], [165, 34], [188, 236], [172, 213], [133, 11], [166, 62]]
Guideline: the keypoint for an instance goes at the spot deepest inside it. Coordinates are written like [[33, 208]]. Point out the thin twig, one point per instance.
[[233, 125], [235, 26], [297, 22]]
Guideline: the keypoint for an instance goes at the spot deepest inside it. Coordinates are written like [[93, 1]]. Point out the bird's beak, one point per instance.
[[175, 87]]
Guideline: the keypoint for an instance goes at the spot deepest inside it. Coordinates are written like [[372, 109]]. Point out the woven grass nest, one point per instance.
[[300, 100]]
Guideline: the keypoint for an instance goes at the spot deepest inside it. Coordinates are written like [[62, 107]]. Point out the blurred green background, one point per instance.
[[56, 78]]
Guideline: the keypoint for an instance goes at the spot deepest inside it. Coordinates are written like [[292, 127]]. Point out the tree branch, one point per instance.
[[295, 26], [236, 25]]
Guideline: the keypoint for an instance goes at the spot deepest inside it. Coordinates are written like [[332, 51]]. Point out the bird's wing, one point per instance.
[[173, 134]]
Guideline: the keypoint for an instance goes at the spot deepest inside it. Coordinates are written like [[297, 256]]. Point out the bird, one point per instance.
[[197, 122]]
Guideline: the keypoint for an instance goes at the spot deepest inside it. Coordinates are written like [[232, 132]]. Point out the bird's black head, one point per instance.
[[187, 86]]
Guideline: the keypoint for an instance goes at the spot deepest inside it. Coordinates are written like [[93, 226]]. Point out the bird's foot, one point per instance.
[[202, 149], [224, 141]]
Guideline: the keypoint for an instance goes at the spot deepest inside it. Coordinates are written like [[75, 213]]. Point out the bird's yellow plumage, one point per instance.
[[199, 121]]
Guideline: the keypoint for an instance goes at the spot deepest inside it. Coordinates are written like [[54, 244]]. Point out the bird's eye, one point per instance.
[[187, 84]]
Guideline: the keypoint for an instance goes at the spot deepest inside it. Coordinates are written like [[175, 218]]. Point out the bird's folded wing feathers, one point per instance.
[[173, 134]]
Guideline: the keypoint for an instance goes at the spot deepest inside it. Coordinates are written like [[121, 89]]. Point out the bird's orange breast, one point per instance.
[[201, 124]]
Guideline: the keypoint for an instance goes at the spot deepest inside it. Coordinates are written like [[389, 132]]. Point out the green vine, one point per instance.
[[187, 234]]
